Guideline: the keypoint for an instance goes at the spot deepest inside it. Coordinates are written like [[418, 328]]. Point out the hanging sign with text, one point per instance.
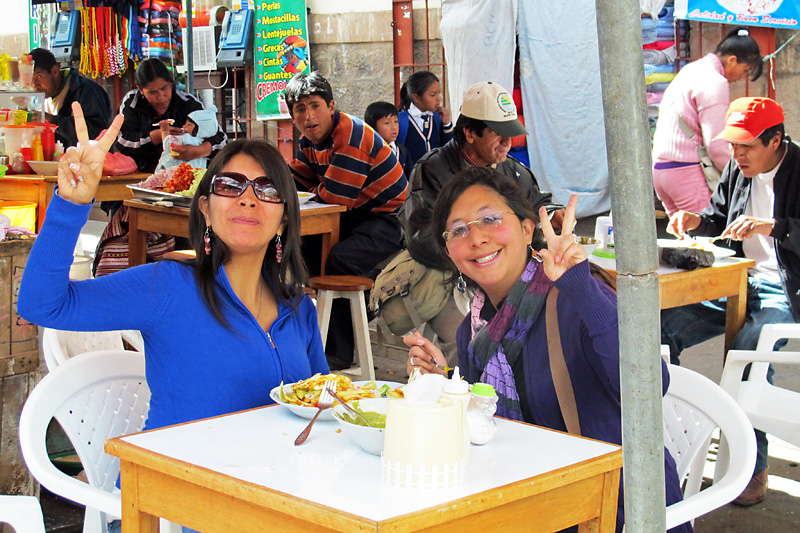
[[768, 13], [281, 51]]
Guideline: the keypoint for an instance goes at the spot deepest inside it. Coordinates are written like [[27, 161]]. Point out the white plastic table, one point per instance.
[[242, 472]]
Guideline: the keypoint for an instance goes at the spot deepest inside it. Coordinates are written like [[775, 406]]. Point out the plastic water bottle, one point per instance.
[[480, 413]]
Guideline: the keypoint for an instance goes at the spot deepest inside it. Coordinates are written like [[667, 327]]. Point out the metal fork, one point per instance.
[[325, 402], [347, 406]]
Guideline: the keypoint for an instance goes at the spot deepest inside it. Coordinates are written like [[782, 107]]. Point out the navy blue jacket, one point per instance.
[[411, 137]]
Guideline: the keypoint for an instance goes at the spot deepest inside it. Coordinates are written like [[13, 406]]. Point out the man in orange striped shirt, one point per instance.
[[345, 162]]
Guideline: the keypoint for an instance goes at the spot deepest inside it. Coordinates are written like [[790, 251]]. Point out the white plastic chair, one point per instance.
[[771, 409], [23, 513], [59, 345], [694, 407], [94, 397]]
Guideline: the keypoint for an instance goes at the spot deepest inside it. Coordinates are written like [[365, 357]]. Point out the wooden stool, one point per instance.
[[352, 288]]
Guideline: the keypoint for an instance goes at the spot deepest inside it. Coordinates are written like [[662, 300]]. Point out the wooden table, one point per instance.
[[242, 473], [39, 189], [727, 278], [315, 219]]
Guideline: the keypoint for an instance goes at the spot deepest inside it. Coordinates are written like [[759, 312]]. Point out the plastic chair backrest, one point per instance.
[[769, 335], [23, 513], [59, 345], [771, 409], [97, 396], [694, 407]]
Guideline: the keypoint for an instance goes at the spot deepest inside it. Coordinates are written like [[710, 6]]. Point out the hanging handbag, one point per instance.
[[558, 367], [706, 164]]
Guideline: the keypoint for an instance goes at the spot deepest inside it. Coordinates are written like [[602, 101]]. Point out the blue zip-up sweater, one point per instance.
[[195, 367]]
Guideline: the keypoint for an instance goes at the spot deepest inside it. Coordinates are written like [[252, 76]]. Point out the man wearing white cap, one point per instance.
[[481, 137], [756, 207]]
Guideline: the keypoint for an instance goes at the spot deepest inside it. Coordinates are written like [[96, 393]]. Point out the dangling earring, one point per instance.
[[207, 240], [535, 254], [278, 248], [461, 285]]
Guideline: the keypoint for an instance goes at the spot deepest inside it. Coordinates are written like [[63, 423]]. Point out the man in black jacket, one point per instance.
[[482, 137], [62, 86], [756, 207]]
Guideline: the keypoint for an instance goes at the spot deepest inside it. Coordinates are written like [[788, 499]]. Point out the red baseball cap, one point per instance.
[[749, 117]]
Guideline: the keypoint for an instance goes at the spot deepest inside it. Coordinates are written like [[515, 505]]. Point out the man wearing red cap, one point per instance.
[[756, 207]]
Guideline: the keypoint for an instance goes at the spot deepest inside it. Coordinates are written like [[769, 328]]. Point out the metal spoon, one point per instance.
[[344, 404]]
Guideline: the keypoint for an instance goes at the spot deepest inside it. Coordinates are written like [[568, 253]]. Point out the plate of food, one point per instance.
[[152, 195], [303, 196], [174, 184], [301, 398], [698, 243]]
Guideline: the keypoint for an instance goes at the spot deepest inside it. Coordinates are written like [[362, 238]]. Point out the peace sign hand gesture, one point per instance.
[[81, 167], [562, 251]]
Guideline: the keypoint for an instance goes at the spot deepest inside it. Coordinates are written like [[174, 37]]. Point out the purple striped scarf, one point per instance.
[[496, 345]]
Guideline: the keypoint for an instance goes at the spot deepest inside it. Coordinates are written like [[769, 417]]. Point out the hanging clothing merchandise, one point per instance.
[[133, 35], [161, 35], [104, 37]]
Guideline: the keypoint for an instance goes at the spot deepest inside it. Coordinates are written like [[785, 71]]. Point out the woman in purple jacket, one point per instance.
[[486, 227]]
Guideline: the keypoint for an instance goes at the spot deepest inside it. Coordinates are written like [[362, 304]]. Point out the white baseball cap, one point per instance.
[[493, 105]]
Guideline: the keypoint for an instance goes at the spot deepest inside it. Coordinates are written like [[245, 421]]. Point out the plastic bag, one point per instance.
[[118, 164], [686, 258]]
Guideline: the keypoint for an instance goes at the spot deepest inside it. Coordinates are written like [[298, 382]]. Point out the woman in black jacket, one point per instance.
[[157, 100]]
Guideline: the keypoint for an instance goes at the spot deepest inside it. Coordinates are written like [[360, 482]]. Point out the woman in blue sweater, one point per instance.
[[219, 333], [424, 122], [486, 226]]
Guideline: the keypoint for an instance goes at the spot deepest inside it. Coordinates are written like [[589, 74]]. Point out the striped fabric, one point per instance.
[[112, 251], [353, 167]]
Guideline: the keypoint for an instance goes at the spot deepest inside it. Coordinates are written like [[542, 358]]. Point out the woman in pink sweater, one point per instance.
[[699, 94]]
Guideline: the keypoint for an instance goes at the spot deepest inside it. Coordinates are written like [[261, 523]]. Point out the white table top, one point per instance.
[[313, 204], [258, 447]]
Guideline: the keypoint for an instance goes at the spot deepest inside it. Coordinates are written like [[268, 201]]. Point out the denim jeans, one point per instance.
[[686, 326]]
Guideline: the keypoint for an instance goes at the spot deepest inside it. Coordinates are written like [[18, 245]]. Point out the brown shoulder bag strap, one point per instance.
[[558, 367]]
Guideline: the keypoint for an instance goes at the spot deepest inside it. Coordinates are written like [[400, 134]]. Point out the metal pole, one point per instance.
[[628, 145], [188, 49]]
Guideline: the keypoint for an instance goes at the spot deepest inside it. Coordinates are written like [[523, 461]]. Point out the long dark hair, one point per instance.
[[738, 43], [417, 84], [492, 179], [152, 69], [288, 277]]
